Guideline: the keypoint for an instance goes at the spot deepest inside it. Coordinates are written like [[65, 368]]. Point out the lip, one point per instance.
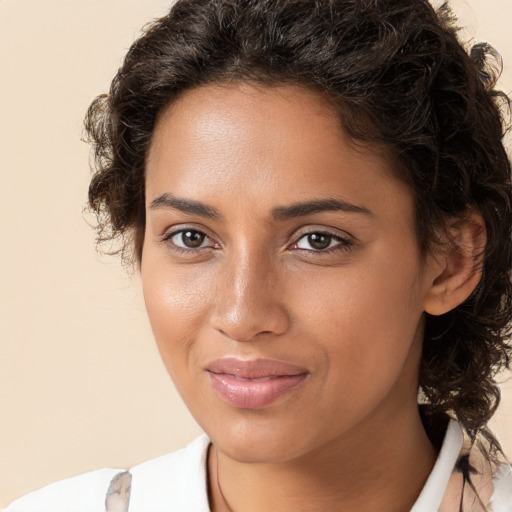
[[254, 384]]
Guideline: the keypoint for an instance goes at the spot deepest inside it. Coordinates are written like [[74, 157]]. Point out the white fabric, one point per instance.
[[177, 483], [432, 494], [82, 493], [501, 500], [174, 482]]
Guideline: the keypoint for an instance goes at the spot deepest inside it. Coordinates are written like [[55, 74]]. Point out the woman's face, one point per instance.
[[281, 272]]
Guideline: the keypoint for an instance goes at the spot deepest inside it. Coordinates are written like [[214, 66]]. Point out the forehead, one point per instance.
[[239, 142], [267, 118]]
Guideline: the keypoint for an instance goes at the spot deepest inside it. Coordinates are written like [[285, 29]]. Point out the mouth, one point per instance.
[[254, 384]]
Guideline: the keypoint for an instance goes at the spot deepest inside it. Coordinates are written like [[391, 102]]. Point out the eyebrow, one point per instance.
[[317, 206], [279, 213], [185, 205]]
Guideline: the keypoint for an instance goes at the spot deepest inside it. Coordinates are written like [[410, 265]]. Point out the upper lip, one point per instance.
[[255, 368]]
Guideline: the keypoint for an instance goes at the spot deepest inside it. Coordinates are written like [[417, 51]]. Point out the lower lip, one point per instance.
[[253, 393]]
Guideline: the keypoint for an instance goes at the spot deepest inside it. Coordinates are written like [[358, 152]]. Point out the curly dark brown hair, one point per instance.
[[397, 75]]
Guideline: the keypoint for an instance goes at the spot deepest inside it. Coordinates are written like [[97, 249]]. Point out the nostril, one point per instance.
[[238, 335]]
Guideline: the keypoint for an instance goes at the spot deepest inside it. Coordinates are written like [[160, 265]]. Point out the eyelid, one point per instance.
[[172, 231], [345, 240], [190, 226]]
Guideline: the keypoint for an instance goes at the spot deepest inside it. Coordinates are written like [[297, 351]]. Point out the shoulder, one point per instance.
[[176, 481], [82, 493], [176, 478]]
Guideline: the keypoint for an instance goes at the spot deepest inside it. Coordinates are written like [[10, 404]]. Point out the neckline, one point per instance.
[[432, 493], [431, 496]]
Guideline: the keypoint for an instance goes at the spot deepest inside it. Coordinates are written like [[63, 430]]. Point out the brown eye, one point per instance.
[[189, 239], [320, 241]]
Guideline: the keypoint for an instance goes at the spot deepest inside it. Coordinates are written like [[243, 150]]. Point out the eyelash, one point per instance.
[[343, 243], [167, 239]]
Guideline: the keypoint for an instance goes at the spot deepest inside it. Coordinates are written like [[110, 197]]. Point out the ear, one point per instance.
[[457, 267]]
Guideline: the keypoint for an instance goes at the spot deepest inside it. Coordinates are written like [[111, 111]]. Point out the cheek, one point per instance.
[[177, 303], [366, 320]]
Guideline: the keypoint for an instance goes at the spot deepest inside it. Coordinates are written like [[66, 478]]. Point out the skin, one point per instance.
[[351, 314]]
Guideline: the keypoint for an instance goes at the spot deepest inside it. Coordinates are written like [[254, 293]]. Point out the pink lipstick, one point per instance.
[[253, 384]]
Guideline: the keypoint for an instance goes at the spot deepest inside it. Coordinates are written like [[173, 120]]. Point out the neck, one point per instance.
[[367, 469]]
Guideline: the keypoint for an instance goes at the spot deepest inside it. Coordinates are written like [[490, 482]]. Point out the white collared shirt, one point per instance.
[[176, 482]]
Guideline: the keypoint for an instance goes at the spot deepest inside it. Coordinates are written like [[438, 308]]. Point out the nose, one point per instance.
[[249, 301]]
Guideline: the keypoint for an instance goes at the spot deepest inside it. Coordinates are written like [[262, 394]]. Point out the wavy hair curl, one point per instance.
[[398, 77]]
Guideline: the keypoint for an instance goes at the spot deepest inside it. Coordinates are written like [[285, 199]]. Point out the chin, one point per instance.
[[256, 450], [258, 441]]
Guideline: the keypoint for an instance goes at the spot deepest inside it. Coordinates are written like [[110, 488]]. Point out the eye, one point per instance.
[[320, 241], [189, 239]]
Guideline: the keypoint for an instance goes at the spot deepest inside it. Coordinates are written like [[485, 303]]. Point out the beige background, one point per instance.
[[81, 384]]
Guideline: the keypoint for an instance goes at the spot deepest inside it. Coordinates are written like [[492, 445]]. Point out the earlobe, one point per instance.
[[458, 265]]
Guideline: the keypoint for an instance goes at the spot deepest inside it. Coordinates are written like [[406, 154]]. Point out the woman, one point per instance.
[[318, 199]]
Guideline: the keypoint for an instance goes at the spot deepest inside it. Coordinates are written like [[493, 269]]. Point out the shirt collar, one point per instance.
[[431, 496]]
